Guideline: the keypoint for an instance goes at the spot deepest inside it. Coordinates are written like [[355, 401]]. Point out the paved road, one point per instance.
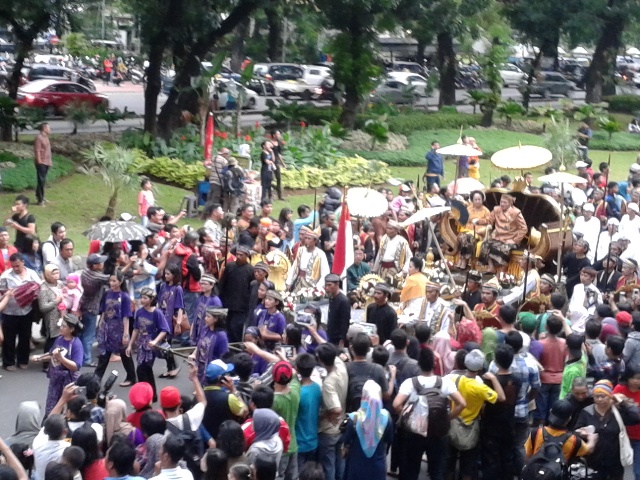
[[131, 97]]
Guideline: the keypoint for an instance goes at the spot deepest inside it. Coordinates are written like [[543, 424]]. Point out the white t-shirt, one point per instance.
[[447, 388], [174, 474], [196, 414], [73, 426]]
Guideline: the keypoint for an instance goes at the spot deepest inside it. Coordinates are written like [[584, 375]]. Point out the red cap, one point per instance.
[[170, 397], [623, 318], [140, 395], [282, 372]]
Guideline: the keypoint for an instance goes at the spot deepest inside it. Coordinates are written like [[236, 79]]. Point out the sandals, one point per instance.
[[126, 383], [174, 374]]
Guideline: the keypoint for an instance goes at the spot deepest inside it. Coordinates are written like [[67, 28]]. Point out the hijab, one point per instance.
[[489, 343], [442, 346], [27, 424], [266, 424], [370, 420], [49, 282], [152, 454], [115, 419]]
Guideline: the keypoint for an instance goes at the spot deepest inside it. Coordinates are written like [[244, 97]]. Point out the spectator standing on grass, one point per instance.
[[22, 221], [42, 157]]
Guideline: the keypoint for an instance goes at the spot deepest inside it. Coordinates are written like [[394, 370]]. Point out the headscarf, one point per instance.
[[489, 343], [115, 419], [370, 420], [27, 424], [153, 447], [468, 331], [603, 387], [266, 424], [48, 270], [442, 346]]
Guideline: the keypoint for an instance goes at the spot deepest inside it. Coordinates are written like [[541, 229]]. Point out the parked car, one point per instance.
[[316, 74], [550, 83], [261, 86], [278, 71], [417, 81], [298, 88], [228, 91], [394, 91], [511, 75], [54, 95], [40, 71], [410, 67]]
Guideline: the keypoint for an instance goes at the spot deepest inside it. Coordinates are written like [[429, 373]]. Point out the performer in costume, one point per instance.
[[629, 273], [394, 254], [310, 265], [473, 296], [412, 294], [279, 264], [532, 288], [434, 310], [205, 301], [509, 230], [479, 216], [585, 295], [212, 341]]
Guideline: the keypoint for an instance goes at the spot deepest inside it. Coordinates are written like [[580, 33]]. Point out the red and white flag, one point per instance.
[[208, 138], [343, 256]]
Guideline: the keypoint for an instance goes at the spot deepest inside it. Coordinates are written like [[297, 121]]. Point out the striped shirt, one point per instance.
[[526, 372]]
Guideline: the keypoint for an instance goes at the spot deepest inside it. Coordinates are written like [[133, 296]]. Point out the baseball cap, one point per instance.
[[474, 360], [170, 397], [581, 164], [216, 369], [282, 372], [623, 318], [140, 395], [561, 412], [95, 259]]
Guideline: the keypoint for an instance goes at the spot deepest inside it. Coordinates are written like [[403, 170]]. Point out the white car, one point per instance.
[[417, 81], [229, 88], [511, 75]]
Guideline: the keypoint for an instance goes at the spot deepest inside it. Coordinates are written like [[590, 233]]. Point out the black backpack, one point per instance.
[[193, 444], [549, 462], [231, 181]]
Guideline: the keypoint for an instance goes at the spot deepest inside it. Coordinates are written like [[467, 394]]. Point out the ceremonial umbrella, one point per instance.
[[465, 185], [522, 157], [562, 178], [459, 150], [366, 202], [116, 231]]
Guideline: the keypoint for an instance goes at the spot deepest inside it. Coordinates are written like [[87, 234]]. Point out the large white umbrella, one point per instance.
[[562, 178], [116, 231], [424, 214], [465, 185], [522, 157], [366, 202], [457, 150]]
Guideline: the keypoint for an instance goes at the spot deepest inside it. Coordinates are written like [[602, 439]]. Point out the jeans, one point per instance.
[[497, 452], [414, 446], [41, 171], [279, 183], [288, 468], [88, 335], [190, 309], [520, 437], [330, 455], [548, 394], [635, 444], [431, 180], [304, 457]]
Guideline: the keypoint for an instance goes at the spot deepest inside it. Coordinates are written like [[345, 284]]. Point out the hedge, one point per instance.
[[23, 176], [621, 141], [623, 103], [407, 123]]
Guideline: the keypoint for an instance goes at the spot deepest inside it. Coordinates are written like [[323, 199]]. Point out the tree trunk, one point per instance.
[[349, 108], [274, 20], [153, 86], [422, 45], [487, 117], [599, 73], [526, 96], [447, 66], [237, 45], [113, 202], [22, 48]]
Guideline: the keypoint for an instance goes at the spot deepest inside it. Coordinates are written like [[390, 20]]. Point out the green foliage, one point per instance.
[[7, 113], [545, 111], [76, 44], [338, 131], [622, 141], [109, 115], [609, 125], [508, 110], [292, 113], [623, 103], [588, 112], [79, 114], [312, 147], [407, 123], [169, 170], [23, 176], [477, 97], [560, 140], [346, 171], [378, 129]]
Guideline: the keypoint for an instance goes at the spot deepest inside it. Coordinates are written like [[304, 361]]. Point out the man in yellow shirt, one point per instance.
[[475, 395]]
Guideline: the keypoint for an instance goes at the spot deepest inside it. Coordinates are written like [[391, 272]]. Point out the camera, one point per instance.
[[106, 389], [81, 391], [288, 350], [304, 318]]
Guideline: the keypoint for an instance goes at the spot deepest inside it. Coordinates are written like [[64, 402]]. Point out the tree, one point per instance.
[[76, 44], [78, 113], [561, 141], [353, 47], [27, 19], [113, 164], [508, 110], [609, 125], [491, 64]]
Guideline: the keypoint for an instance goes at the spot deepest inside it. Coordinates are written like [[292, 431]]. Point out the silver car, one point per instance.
[[397, 92]]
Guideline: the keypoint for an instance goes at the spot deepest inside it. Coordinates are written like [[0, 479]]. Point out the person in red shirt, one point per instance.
[[7, 250], [262, 397], [554, 352], [630, 388]]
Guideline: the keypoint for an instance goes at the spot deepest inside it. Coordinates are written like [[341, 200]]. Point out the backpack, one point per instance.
[[231, 182], [426, 412], [193, 444], [549, 462]]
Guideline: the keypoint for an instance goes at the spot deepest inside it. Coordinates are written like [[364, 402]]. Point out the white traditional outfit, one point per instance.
[[394, 254], [590, 231], [309, 267], [586, 297], [532, 288], [437, 314]]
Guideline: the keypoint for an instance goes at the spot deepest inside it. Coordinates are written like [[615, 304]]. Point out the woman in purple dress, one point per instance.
[[264, 287], [171, 303], [205, 301], [271, 322], [113, 331], [65, 357], [252, 335], [213, 341], [149, 329]]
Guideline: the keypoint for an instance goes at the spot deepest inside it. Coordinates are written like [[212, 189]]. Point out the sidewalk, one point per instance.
[[125, 87]]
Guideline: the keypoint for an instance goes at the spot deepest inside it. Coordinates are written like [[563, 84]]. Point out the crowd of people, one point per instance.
[[481, 379]]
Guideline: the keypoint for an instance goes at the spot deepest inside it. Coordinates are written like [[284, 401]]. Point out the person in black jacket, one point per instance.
[[339, 311], [235, 290], [381, 313]]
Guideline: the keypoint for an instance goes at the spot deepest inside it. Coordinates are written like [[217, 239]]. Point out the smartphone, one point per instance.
[[81, 391], [636, 292], [288, 350], [303, 318]]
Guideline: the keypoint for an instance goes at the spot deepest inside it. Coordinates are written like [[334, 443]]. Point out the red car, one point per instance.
[[54, 95]]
